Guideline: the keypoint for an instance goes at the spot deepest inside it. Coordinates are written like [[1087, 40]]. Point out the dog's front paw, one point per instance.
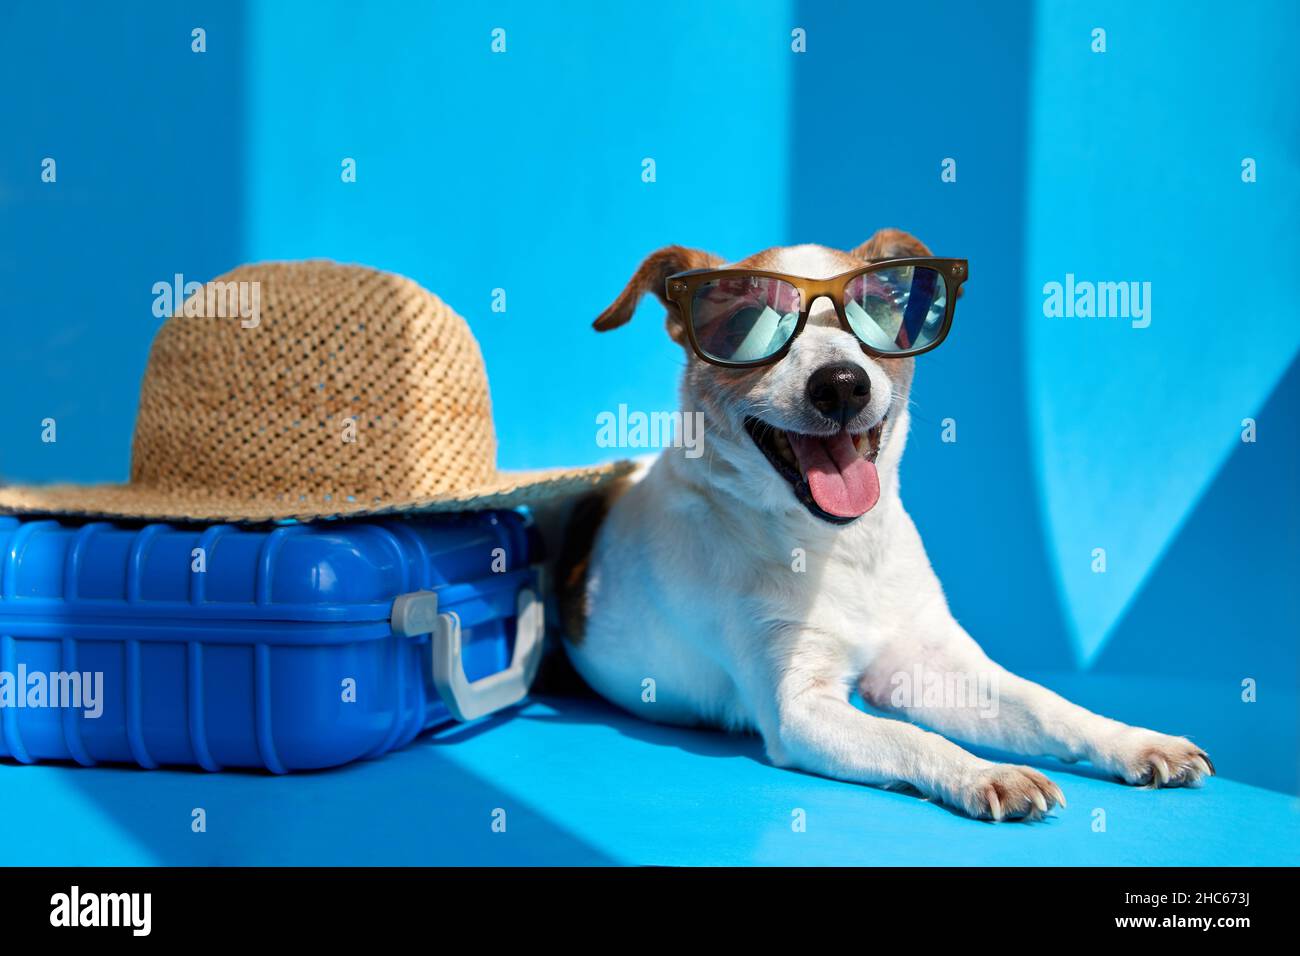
[[1146, 758], [999, 791]]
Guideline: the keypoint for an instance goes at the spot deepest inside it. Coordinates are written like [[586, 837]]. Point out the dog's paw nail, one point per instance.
[[1002, 792], [1146, 758], [1162, 771], [994, 806]]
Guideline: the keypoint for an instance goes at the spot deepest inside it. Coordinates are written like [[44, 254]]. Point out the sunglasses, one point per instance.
[[743, 318]]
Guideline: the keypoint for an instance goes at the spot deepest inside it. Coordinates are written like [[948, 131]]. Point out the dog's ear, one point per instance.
[[892, 244], [895, 244], [650, 277]]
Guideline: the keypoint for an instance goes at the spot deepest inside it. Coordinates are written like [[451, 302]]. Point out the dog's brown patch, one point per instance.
[[892, 244], [573, 562], [574, 558]]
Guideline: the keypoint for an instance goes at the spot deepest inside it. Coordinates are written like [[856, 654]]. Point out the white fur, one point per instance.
[[692, 585]]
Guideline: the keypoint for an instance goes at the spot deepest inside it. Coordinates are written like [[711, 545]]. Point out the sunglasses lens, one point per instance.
[[898, 309], [744, 318]]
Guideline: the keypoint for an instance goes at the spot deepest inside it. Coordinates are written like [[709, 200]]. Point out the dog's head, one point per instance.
[[811, 427]]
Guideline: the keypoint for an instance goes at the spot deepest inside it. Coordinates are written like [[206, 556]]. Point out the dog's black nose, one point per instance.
[[839, 391]]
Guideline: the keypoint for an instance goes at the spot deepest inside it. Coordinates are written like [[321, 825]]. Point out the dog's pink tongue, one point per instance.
[[841, 481]]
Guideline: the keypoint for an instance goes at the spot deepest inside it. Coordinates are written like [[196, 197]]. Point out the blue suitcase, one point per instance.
[[284, 647]]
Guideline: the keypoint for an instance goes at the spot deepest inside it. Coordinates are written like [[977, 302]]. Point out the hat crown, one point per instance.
[[314, 382]]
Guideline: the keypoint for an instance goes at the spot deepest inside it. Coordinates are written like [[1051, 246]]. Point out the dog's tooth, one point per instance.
[[782, 445], [787, 452]]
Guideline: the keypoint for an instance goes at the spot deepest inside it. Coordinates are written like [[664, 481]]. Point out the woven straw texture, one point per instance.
[[356, 392]]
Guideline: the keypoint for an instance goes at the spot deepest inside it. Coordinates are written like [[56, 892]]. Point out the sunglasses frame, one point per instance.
[[680, 288]]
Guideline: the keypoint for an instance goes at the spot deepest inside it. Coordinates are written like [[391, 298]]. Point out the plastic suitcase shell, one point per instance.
[[244, 654]]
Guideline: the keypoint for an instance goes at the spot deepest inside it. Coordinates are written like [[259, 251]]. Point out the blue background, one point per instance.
[[522, 171]]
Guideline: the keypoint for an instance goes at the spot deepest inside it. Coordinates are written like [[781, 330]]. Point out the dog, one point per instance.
[[753, 589]]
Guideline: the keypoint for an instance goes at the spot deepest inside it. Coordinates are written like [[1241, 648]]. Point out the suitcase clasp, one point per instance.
[[415, 613]]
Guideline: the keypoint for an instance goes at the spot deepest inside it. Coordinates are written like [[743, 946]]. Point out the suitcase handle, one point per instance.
[[468, 699]]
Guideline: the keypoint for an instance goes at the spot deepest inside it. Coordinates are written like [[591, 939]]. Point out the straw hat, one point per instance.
[[348, 391]]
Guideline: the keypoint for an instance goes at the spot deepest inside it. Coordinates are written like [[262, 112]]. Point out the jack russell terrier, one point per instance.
[[755, 587]]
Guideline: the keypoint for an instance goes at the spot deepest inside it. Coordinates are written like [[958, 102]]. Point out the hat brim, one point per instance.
[[508, 489]]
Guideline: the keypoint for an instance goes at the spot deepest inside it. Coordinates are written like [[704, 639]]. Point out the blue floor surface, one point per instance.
[[580, 783]]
